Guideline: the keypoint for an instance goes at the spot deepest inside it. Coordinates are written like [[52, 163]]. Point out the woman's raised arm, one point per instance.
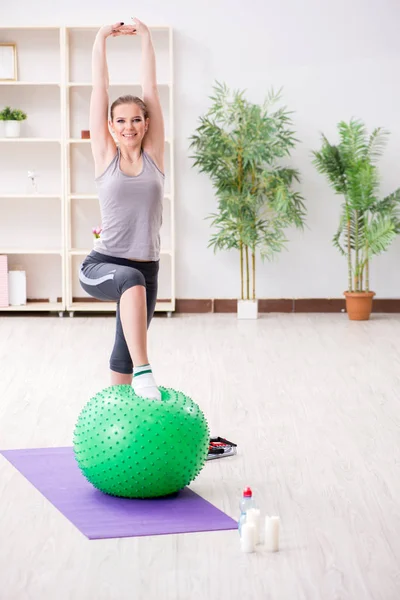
[[101, 139], [154, 140]]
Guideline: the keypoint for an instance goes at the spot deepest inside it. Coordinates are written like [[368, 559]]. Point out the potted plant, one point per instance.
[[96, 234], [239, 145], [12, 121], [368, 224]]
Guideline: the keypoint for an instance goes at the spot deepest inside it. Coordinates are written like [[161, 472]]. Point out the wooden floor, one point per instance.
[[312, 401]]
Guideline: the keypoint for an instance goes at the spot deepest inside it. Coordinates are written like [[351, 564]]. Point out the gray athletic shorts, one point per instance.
[[107, 278]]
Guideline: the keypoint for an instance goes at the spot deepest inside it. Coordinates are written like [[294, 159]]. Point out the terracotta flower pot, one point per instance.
[[359, 305]]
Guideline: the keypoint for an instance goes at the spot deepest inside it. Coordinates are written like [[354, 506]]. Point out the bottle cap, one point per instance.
[[247, 493]]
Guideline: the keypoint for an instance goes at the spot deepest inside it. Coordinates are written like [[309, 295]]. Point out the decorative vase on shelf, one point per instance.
[[247, 309], [12, 129], [16, 286], [33, 187]]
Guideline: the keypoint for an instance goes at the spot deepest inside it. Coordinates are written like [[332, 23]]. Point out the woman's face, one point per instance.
[[129, 125]]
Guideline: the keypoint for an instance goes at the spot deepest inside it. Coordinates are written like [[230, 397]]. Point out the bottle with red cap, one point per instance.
[[246, 502]]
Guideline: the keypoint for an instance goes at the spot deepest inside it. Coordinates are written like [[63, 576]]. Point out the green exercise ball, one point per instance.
[[132, 447]]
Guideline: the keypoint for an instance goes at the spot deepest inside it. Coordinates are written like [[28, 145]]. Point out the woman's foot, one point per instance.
[[144, 384]]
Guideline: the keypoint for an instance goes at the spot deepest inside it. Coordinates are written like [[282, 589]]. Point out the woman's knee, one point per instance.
[[121, 365], [129, 277]]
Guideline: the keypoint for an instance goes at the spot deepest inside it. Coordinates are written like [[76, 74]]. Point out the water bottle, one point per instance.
[[246, 502]]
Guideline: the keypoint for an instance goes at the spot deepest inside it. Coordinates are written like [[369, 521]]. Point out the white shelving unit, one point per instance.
[[32, 224], [58, 109]]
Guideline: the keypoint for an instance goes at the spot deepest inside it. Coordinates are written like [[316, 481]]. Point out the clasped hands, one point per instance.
[[137, 28]]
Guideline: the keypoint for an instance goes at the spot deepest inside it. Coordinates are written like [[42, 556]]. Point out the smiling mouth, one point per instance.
[[128, 135]]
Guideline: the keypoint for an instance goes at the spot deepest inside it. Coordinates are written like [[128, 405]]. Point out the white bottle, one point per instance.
[[246, 502], [272, 527], [248, 537], [253, 516]]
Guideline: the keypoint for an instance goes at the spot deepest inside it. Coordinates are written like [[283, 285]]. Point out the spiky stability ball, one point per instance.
[[128, 446]]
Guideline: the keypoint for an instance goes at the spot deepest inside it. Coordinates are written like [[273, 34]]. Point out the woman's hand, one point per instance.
[[117, 29], [141, 28]]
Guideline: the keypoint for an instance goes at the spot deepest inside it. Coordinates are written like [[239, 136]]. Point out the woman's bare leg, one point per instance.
[[133, 314], [120, 378]]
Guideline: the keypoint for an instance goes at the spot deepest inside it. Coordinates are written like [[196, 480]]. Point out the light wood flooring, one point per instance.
[[311, 400]]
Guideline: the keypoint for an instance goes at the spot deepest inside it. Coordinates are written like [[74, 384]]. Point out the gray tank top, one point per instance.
[[131, 210]]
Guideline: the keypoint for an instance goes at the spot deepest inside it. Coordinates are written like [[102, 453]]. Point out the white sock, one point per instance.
[[144, 384]]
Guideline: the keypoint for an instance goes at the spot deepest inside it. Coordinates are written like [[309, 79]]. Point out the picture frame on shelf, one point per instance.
[[8, 61]]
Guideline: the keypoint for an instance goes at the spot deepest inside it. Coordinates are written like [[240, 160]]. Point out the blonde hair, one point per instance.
[[129, 100]]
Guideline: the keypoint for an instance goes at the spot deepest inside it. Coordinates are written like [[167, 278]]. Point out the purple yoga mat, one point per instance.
[[55, 473]]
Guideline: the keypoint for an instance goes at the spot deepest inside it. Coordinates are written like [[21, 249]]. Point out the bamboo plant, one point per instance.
[[240, 145], [368, 224]]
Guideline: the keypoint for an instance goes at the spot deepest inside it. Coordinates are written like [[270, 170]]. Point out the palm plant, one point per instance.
[[368, 224], [238, 144]]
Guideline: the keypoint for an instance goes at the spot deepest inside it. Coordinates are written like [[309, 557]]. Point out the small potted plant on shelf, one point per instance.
[[12, 121], [96, 233], [368, 224], [240, 146]]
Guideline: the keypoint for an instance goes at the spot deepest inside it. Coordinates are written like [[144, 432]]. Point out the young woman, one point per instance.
[[129, 172]]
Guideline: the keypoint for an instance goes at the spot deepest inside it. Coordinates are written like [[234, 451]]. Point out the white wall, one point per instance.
[[334, 60]]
